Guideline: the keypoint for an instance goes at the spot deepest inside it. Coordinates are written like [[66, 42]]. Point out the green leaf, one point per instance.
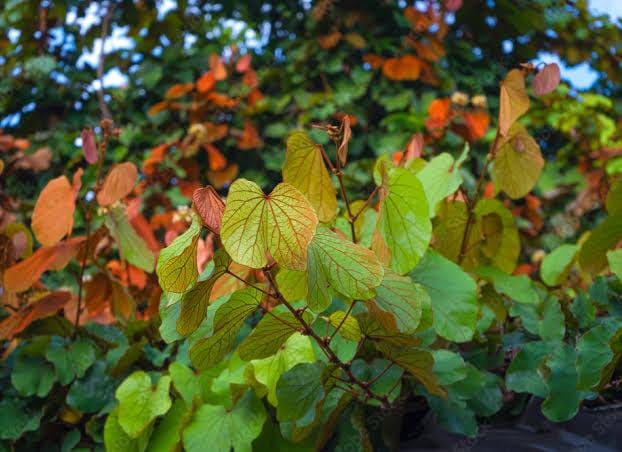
[[16, 418], [563, 400], [282, 223], [615, 262], [453, 414], [518, 288], [517, 164], [185, 381], [167, 436], [440, 178], [270, 334], [501, 247], [221, 429], [553, 325], [337, 264], [32, 376], [93, 392], [140, 403], [614, 198], [132, 247], [297, 349], [384, 375], [292, 284], [523, 374], [557, 264], [449, 366], [453, 294], [299, 392], [195, 301], [70, 359], [117, 440], [348, 325], [583, 310], [228, 320], [304, 169], [177, 264], [398, 299], [404, 221], [419, 363], [595, 353], [593, 253]]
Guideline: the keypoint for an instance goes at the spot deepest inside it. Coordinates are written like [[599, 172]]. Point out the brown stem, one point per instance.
[[324, 344], [248, 283], [342, 320], [471, 204], [364, 206], [102, 59]]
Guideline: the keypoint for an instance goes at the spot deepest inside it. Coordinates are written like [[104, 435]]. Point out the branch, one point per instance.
[[102, 59]]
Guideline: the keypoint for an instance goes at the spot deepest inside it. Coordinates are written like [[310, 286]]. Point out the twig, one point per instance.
[[364, 206], [102, 59], [248, 283], [343, 320]]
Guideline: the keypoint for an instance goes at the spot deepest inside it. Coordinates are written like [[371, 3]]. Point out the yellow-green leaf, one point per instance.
[[513, 100], [593, 257], [440, 178], [132, 247], [518, 163], [282, 223], [304, 168], [348, 325], [400, 300], [292, 284], [337, 264]]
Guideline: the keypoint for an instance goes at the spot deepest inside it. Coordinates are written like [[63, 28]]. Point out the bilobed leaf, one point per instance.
[[513, 100], [140, 403], [524, 373], [16, 418], [343, 266], [453, 294], [32, 376], [304, 168], [299, 391], [210, 207], [556, 265], [517, 287], [440, 178], [52, 217], [518, 163], [553, 324], [177, 264], [595, 352], [399, 300], [267, 371], [131, 246], [118, 183], [593, 253], [270, 334], [348, 325], [419, 363], [563, 399], [116, 439], [282, 223], [194, 302], [167, 436], [228, 320], [497, 248], [70, 359], [220, 429], [546, 80], [404, 221]]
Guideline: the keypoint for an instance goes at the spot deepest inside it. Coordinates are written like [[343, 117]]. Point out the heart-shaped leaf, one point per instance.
[[513, 100], [546, 80]]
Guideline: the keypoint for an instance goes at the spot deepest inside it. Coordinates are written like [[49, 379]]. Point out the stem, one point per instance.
[[324, 344], [472, 203], [342, 320], [364, 206], [101, 60], [248, 283], [377, 377]]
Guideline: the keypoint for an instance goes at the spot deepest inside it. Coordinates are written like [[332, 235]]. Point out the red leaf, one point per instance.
[[546, 80], [244, 63], [206, 82], [118, 184], [89, 146], [43, 307], [209, 206]]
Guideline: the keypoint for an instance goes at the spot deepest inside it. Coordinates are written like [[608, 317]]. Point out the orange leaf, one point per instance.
[[477, 122], [217, 67], [244, 63], [220, 179], [178, 90], [128, 274], [407, 67], [375, 61], [513, 100], [141, 225], [330, 40], [52, 217], [187, 187], [220, 100], [155, 157], [250, 137], [76, 181], [210, 207], [37, 161], [43, 307], [157, 108], [118, 184], [215, 132], [439, 113], [206, 82], [250, 78], [21, 144], [217, 161], [97, 293], [254, 96]]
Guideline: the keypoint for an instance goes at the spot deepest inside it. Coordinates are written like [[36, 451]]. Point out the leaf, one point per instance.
[[206, 82], [563, 400], [282, 223], [16, 418], [449, 366], [118, 183], [595, 353], [228, 320], [52, 217], [453, 294], [304, 169], [167, 436], [342, 150], [513, 100], [399, 300], [518, 288], [557, 264], [348, 325], [209, 207], [89, 146], [404, 221], [440, 178], [195, 301], [297, 349], [407, 67], [546, 80], [518, 163], [270, 334], [140, 403], [524, 372], [419, 363], [132, 247], [498, 248], [93, 392], [553, 325], [337, 264], [117, 440], [223, 429], [71, 359], [32, 376], [292, 284], [299, 391], [615, 262], [593, 253], [177, 264], [40, 308], [614, 198]]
